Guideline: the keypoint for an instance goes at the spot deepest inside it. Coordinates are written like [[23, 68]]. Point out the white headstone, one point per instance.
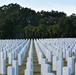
[[60, 55], [60, 65], [19, 59], [44, 61], [75, 68], [45, 68], [64, 53], [29, 65], [70, 64], [49, 55], [3, 66], [55, 58], [40, 57], [5, 54], [28, 72], [15, 66], [49, 74], [10, 58], [30, 59], [13, 55], [66, 71], [1, 55], [10, 70], [67, 54]]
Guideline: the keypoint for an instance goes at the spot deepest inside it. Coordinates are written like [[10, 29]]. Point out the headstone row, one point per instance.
[[29, 64], [22, 53]]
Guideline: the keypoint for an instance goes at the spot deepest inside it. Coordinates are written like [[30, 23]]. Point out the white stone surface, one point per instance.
[[70, 64], [2, 66], [29, 65], [60, 65], [45, 68], [66, 71], [49, 55], [49, 74], [75, 68], [60, 55], [10, 58], [67, 54], [64, 53], [10, 70], [15, 66], [28, 72], [54, 66], [44, 61]]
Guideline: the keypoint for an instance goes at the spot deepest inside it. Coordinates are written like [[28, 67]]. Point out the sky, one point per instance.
[[67, 6]]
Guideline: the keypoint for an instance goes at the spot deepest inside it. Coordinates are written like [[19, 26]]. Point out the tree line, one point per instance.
[[18, 22]]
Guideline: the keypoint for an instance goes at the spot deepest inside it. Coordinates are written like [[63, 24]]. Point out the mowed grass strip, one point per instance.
[[37, 67]]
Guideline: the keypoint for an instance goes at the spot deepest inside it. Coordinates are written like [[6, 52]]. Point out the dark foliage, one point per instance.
[[19, 22]]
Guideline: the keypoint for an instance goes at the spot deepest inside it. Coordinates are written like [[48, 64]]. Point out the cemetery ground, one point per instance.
[[37, 69], [46, 52]]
